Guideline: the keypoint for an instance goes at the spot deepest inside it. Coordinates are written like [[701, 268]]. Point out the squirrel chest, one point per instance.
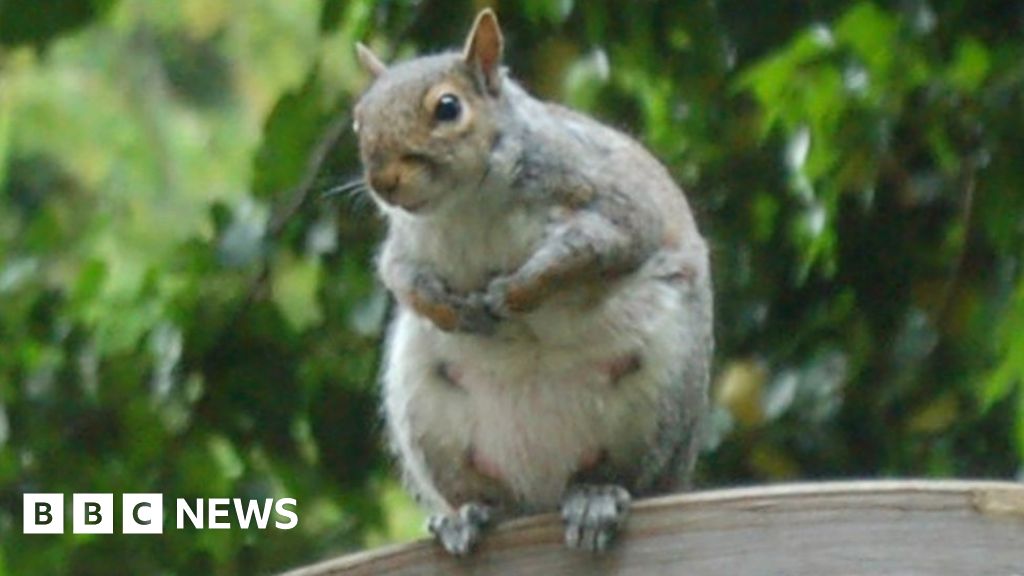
[[514, 416], [473, 242]]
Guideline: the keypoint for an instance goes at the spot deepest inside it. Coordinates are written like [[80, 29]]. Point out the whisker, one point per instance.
[[356, 185], [355, 193], [358, 202]]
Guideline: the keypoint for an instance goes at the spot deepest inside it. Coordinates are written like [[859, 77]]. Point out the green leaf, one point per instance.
[[781, 82], [226, 457], [37, 22], [585, 78], [403, 517], [91, 279], [548, 11], [5, 135], [871, 33], [330, 15], [289, 135], [296, 282], [970, 66], [354, 15], [1009, 373], [1020, 422], [764, 216]]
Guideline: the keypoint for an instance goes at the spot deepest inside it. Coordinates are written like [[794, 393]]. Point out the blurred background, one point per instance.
[[184, 311]]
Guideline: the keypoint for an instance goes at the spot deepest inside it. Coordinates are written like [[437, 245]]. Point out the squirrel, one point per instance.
[[552, 337]]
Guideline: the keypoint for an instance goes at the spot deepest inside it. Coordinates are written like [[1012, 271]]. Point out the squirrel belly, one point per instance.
[[612, 388]]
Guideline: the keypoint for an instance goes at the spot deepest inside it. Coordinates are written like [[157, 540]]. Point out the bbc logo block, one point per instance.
[[93, 513], [144, 513], [44, 514]]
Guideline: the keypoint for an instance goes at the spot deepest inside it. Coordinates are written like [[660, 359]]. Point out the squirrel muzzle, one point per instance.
[[385, 182], [400, 182]]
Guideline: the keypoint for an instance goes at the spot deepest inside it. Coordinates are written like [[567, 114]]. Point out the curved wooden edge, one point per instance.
[[741, 516]]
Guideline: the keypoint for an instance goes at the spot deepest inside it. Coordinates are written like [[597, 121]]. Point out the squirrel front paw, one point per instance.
[[593, 515], [460, 533], [507, 295], [430, 298], [475, 316]]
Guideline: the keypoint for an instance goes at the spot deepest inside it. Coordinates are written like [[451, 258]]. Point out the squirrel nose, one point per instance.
[[384, 182]]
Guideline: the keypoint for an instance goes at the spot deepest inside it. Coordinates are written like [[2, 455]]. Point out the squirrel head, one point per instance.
[[426, 127]]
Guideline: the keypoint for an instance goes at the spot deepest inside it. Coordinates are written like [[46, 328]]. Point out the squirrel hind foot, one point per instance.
[[593, 515], [459, 533]]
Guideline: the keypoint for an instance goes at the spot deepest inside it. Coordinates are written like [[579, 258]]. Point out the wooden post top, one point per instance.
[[907, 527]]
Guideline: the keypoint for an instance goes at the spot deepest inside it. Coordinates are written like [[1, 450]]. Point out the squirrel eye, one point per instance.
[[448, 108]]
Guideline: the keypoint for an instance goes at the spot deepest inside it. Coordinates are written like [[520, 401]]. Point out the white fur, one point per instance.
[[532, 399]]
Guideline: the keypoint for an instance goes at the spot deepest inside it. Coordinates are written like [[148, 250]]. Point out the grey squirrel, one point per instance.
[[553, 333]]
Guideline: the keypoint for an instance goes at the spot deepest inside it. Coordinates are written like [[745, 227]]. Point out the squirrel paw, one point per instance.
[[506, 295], [593, 515], [474, 316], [460, 533], [494, 299]]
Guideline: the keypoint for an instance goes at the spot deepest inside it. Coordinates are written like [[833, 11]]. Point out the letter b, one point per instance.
[[43, 513], [93, 514]]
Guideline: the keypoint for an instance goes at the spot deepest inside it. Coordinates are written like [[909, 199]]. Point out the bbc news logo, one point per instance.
[[144, 513]]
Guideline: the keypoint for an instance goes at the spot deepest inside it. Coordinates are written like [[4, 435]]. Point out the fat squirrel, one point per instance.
[[552, 339]]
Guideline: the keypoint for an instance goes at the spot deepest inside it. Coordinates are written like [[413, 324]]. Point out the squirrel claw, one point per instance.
[[460, 533], [593, 515]]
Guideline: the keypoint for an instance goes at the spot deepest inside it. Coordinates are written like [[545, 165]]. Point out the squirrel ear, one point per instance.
[[369, 60], [483, 50]]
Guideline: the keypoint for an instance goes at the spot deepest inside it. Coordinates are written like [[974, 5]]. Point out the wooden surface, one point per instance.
[[892, 528]]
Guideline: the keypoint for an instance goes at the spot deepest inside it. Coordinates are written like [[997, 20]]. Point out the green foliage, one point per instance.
[[181, 311], [37, 22], [291, 131]]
